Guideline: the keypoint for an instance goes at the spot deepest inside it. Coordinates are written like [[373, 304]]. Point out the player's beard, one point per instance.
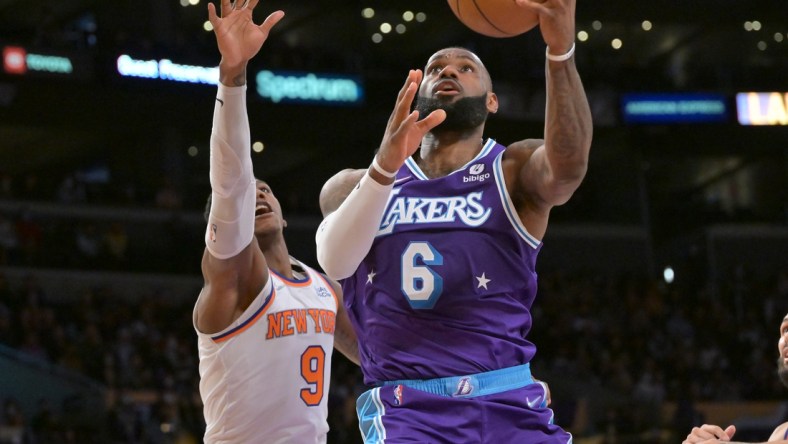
[[782, 370], [465, 113]]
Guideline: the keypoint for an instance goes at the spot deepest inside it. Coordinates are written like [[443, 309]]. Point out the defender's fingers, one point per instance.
[[270, 21], [403, 107], [252, 4], [212, 17], [434, 119], [225, 6], [395, 118], [533, 5], [707, 431], [422, 127], [404, 127], [716, 431], [239, 4], [400, 94], [408, 81]]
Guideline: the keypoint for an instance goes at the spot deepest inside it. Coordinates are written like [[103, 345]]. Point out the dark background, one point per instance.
[[139, 129]]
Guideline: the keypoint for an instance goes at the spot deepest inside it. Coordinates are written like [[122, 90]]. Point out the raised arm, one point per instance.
[[233, 265], [353, 201], [554, 170]]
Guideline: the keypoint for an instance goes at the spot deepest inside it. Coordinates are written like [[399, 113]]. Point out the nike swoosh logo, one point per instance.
[[535, 403], [221, 102], [401, 179]]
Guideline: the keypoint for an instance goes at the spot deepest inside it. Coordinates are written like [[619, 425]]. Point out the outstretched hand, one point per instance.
[[404, 130], [556, 22], [238, 37], [710, 434]]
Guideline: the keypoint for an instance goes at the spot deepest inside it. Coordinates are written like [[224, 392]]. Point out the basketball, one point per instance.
[[494, 18]]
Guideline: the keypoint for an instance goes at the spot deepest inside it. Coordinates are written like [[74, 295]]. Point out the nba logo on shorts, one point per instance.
[[464, 387], [212, 233], [398, 395]]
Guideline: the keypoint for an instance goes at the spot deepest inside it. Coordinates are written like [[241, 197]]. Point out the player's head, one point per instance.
[[267, 213], [782, 346], [456, 80]]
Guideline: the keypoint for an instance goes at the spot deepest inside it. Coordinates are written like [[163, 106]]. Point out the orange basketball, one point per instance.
[[494, 18]]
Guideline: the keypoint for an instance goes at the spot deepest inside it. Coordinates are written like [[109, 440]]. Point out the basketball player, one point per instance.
[[266, 323], [712, 434], [435, 247]]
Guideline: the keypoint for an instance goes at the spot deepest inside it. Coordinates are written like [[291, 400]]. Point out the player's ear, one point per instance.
[[492, 102]]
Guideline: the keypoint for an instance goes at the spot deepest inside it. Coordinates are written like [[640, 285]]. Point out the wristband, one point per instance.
[[380, 169], [560, 58]]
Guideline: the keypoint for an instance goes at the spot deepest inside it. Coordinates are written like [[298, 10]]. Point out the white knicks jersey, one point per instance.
[[264, 379]]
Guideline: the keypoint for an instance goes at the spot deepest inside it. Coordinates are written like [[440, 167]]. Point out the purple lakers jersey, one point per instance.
[[448, 284]]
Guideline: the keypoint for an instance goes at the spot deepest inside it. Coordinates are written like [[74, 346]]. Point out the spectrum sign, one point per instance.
[[309, 88], [18, 61], [166, 69], [674, 108], [764, 108]]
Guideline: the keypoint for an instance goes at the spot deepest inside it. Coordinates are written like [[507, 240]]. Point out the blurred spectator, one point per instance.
[[13, 429], [6, 186], [32, 188], [127, 193], [8, 334], [45, 424], [116, 244], [71, 190], [124, 421], [9, 241], [167, 196], [30, 235], [89, 244], [92, 350]]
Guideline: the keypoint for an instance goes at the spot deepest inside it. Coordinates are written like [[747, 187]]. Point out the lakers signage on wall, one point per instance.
[[762, 108]]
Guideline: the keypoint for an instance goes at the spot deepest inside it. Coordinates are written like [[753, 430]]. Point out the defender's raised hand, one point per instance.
[[238, 37], [708, 433], [404, 130]]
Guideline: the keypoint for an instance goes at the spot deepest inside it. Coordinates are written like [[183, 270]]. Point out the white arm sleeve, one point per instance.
[[231, 218], [345, 236]]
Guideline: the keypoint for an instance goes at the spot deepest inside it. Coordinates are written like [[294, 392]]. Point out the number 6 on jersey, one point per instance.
[[421, 285]]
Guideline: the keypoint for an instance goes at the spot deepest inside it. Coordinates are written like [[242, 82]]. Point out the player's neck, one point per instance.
[[439, 156], [278, 258]]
